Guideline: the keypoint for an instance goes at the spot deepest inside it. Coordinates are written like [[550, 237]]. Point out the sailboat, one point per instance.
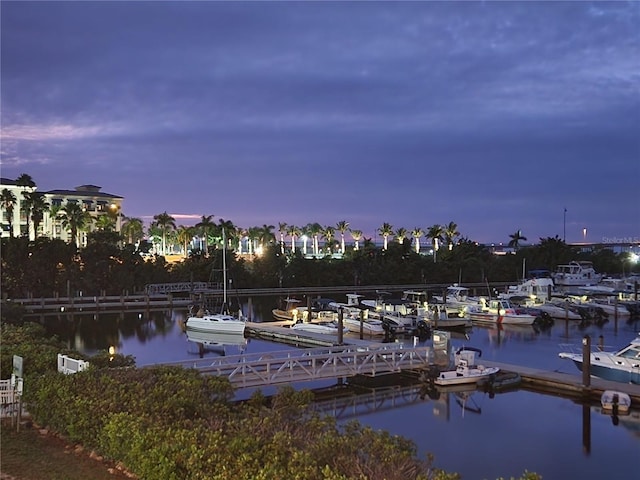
[[222, 322]]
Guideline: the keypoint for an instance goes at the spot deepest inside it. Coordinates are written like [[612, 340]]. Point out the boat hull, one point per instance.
[[217, 324], [606, 372], [475, 375], [506, 319]]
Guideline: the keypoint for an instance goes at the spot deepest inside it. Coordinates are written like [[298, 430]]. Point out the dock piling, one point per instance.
[[586, 361]]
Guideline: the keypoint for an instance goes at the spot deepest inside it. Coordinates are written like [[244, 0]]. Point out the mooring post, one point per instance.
[[361, 324], [601, 343], [586, 361], [340, 332]]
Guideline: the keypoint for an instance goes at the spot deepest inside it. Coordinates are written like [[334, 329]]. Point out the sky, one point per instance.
[[497, 116]]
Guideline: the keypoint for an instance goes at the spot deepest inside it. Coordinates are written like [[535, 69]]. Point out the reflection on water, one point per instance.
[[550, 435]]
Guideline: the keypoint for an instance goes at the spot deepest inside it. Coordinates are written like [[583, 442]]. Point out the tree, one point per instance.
[[231, 232], [450, 233], [26, 182], [328, 233], [282, 228], [8, 201], [165, 223], [401, 234], [314, 230], [342, 227], [205, 227], [293, 232], [74, 219], [416, 233], [385, 230], [184, 236], [105, 223], [357, 236], [516, 238], [133, 229], [435, 233]]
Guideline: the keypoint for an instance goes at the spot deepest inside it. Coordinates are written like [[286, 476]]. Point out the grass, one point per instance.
[[29, 455]]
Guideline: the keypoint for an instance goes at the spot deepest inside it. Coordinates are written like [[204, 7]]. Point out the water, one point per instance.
[[470, 433]]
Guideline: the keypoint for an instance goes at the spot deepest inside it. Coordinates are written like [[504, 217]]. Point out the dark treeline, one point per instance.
[[49, 268]]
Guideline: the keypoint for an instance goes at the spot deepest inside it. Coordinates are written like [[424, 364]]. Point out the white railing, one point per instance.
[[68, 365], [254, 370]]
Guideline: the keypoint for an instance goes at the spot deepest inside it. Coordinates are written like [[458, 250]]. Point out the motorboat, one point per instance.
[[619, 366], [575, 274], [442, 316], [457, 296], [615, 402], [466, 370], [499, 311], [539, 289], [325, 327], [289, 311], [370, 326]]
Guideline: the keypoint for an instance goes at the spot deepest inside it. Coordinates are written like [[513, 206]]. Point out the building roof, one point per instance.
[[81, 193]]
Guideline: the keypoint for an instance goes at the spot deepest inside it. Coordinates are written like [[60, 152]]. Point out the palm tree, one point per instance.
[[8, 201], [435, 233], [205, 226], [385, 230], [74, 219], [54, 215], [184, 236], [450, 233], [516, 238], [253, 234], [231, 232], [416, 233], [39, 205], [105, 223], [342, 227], [401, 234], [293, 232], [133, 229], [165, 223], [155, 234], [282, 228], [266, 235], [306, 234], [357, 236], [328, 233], [314, 230], [26, 182]]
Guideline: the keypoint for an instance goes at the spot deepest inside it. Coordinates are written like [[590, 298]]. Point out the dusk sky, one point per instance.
[[494, 115]]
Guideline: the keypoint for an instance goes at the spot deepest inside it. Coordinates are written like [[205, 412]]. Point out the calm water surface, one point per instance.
[[468, 432]]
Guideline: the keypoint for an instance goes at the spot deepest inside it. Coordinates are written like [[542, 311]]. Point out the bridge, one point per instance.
[[290, 366]]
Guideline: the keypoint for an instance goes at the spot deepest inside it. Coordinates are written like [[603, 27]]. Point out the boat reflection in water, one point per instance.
[[201, 343]]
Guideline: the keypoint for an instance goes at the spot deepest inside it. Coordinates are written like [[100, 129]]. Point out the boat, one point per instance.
[[619, 366], [442, 316], [617, 403], [370, 326], [575, 274], [325, 327], [466, 370], [222, 322], [457, 297], [540, 289], [289, 312], [499, 311]]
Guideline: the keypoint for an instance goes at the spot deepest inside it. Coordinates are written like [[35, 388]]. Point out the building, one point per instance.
[[89, 197]]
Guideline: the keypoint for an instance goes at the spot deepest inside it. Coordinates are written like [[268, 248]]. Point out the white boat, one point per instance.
[[457, 297], [576, 274], [499, 311], [215, 338], [370, 326], [466, 370], [442, 316], [619, 366], [615, 402], [539, 289], [222, 322], [610, 309], [325, 327]]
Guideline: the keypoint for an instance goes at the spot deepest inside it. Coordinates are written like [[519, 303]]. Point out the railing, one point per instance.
[[255, 370], [68, 365]]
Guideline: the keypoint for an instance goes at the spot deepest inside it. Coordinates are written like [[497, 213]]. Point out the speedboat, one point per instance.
[[457, 297], [370, 326], [615, 402], [289, 312], [499, 311], [326, 327], [445, 317], [466, 370], [620, 366]]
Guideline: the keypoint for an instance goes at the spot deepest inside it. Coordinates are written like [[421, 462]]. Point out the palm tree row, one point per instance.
[[165, 234]]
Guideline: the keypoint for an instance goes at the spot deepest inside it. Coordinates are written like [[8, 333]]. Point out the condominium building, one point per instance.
[[89, 197]]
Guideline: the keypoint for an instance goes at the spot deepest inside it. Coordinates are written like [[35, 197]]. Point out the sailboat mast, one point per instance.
[[224, 270]]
